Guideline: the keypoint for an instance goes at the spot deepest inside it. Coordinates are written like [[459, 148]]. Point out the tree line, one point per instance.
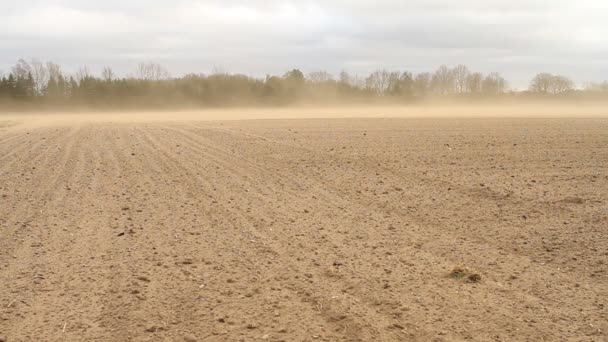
[[34, 83]]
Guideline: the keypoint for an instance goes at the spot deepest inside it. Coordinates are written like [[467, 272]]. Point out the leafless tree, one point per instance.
[[21, 69], [54, 70], [351, 80], [40, 74], [344, 77], [107, 74], [401, 84], [394, 82], [474, 83], [378, 81], [422, 84], [545, 83], [541, 83], [443, 81], [35, 68], [494, 84], [561, 84], [461, 77], [151, 72], [83, 73], [319, 76]]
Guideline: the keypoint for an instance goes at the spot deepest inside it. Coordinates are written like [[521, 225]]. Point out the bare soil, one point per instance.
[[451, 229]]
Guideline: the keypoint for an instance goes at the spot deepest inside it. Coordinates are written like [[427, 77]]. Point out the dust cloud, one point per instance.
[[532, 110]]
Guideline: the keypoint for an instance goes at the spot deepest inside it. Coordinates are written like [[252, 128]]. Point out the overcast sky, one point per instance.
[[515, 37]]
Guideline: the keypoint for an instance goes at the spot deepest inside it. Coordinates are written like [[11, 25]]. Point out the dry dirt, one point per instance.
[[303, 230]]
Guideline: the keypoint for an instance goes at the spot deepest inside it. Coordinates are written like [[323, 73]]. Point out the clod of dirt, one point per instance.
[[2, 339], [152, 328], [474, 278]]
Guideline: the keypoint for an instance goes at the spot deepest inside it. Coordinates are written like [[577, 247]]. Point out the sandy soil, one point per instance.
[[303, 230]]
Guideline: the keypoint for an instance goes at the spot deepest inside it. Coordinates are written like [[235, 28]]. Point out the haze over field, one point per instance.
[[538, 110]]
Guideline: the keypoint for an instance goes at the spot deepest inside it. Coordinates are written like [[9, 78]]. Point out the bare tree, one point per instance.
[[107, 74], [561, 84], [401, 84], [54, 70], [21, 69], [443, 81], [494, 84], [320, 76], [461, 77], [151, 72], [394, 82], [545, 83], [40, 75], [83, 73], [34, 68], [541, 83], [474, 83], [379, 81], [422, 84], [354, 81], [345, 78]]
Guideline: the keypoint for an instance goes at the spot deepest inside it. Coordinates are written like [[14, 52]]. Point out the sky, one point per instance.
[[517, 38]]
